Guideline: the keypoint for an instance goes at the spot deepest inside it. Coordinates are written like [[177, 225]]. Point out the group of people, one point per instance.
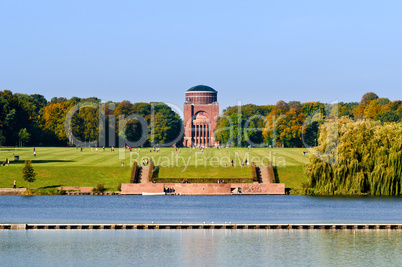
[[221, 181], [145, 162], [156, 149], [92, 149], [129, 148], [245, 163], [169, 189]]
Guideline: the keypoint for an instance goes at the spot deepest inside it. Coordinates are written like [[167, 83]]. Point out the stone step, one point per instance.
[[265, 174], [144, 175]]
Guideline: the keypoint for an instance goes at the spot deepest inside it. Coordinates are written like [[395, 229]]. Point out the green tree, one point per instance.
[[368, 161], [224, 130], [244, 128], [57, 100], [388, 116], [24, 136], [383, 101], [28, 173], [167, 126], [85, 124]]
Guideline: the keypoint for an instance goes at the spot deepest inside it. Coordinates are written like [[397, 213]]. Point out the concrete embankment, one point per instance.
[[155, 226], [12, 191]]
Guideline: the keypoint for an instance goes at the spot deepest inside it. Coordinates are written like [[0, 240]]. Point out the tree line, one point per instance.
[[32, 120], [295, 124]]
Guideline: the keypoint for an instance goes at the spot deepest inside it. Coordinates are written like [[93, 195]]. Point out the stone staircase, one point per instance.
[[143, 174], [265, 174]]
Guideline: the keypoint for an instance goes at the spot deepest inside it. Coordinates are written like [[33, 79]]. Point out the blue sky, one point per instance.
[[255, 51]]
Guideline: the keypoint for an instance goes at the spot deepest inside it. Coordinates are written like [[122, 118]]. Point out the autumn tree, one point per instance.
[[54, 118], [367, 98]]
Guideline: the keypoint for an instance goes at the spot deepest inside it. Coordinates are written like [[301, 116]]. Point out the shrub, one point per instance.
[[28, 192], [48, 191], [100, 188]]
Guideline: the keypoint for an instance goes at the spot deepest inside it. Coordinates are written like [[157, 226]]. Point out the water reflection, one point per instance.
[[201, 247]]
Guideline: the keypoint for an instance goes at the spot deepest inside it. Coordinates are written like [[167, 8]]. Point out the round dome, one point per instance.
[[201, 88]]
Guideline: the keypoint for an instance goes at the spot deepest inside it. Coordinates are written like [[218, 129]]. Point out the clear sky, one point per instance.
[[255, 51]]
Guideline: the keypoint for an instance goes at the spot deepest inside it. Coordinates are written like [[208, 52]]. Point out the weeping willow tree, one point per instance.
[[364, 158]]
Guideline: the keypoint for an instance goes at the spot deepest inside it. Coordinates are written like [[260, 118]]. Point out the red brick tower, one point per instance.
[[201, 111]]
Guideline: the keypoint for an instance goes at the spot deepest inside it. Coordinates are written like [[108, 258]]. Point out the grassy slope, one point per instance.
[[68, 166]]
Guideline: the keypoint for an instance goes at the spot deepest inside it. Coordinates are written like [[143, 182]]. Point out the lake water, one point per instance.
[[200, 247], [199, 209]]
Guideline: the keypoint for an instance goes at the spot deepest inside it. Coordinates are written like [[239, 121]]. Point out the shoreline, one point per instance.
[[12, 191]]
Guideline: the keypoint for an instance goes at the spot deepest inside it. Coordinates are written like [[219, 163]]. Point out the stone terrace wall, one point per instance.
[[260, 189], [200, 188], [204, 188], [137, 189]]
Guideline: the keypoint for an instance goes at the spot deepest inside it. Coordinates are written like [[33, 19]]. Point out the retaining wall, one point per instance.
[[205, 188], [12, 191], [137, 189]]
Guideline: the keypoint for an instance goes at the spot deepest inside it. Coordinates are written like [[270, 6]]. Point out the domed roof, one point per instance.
[[201, 88]]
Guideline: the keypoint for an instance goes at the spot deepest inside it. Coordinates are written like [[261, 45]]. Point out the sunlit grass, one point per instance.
[[58, 166]]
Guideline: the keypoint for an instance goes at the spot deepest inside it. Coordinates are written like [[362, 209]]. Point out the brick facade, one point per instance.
[[205, 188], [201, 111]]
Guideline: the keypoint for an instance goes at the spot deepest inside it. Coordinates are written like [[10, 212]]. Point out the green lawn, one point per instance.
[[69, 166]]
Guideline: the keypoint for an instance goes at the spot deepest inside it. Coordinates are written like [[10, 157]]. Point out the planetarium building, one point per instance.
[[201, 111]]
